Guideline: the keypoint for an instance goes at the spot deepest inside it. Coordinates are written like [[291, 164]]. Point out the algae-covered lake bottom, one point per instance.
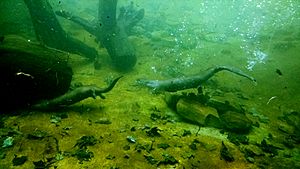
[[134, 127], [114, 132]]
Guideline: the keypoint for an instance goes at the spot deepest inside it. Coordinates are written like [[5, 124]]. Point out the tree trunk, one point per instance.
[[50, 33], [31, 72]]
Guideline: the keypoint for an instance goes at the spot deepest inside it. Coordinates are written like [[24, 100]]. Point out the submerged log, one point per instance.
[[193, 111], [36, 77], [112, 32], [114, 37], [31, 72], [50, 33]]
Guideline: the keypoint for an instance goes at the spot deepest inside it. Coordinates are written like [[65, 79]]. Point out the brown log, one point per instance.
[[193, 111], [50, 33], [31, 72]]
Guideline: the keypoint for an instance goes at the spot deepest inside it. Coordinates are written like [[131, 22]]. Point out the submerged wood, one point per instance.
[[50, 33], [112, 32], [193, 111], [30, 72]]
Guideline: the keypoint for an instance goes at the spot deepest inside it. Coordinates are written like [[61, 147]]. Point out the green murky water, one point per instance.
[[135, 127]]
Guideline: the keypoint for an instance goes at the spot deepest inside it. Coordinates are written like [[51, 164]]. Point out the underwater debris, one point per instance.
[[131, 139], [1, 38], [236, 122], [292, 118], [151, 159], [168, 159], [126, 147], [249, 155], [58, 117], [262, 118], [139, 147], [110, 157], [2, 154], [126, 156], [37, 135], [268, 148], [103, 121], [186, 133], [19, 160], [278, 72], [85, 141], [148, 147], [1, 123], [83, 154], [225, 154], [154, 131], [188, 155], [44, 164], [59, 157], [155, 116], [238, 138], [193, 111], [55, 119], [163, 145], [40, 164], [8, 142], [213, 121], [193, 145], [133, 129]]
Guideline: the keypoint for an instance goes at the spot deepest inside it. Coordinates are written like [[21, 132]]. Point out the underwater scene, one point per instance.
[[122, 84]]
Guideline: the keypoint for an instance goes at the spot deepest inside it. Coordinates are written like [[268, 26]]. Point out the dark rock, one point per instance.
[[278, 72], [293, 119], [40, 164], [268, 148], [151, 159], [168, 159], [126, 147], [19, 160], [186, 133], [163, 145], [83, 154], [139, 148], [193, 145], [236, 122], [85, 141], [132, 129], [37, 135], [289, 142], [238, 138], [154, 131], [225, 154], [155, 116]]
